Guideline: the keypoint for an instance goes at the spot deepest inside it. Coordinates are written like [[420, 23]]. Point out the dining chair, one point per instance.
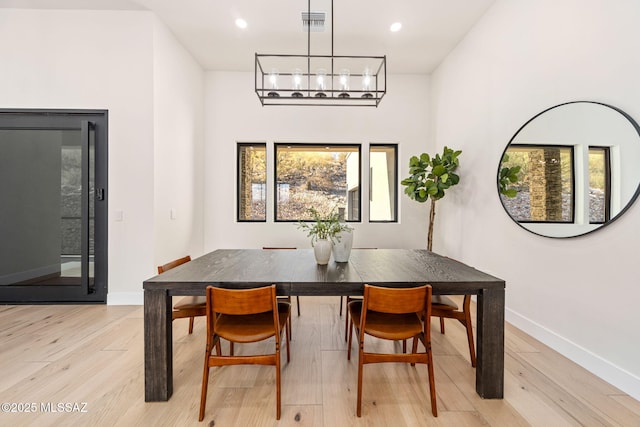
[[244, 316], [445, 308], [187, 306], [393, 314]]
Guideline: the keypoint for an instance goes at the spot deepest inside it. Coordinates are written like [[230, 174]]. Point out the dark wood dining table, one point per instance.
[[295, 272]]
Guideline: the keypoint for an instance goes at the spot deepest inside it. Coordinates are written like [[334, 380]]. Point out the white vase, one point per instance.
[[342, 246], [322, 251]]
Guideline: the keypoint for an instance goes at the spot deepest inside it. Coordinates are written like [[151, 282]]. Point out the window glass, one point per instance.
[[325, 177], [382, 182], [252, 182]]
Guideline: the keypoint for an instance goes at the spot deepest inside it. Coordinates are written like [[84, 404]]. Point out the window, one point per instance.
[[252, 182], [546, 193], [599, 185], [325, 177], [383, 181]]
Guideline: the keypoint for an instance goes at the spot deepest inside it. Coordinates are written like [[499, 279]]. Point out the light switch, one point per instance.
[[173, 214], [118, 215]]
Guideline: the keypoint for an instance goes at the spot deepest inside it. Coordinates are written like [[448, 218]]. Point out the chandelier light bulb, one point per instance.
[[296, 78], [344, 79], [273, 79], [366, 80], [320, 79]]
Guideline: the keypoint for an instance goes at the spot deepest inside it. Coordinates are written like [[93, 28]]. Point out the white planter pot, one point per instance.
[[342, 246], [322, 251]]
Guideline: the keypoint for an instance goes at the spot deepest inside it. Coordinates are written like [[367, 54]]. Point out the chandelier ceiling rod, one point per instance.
[[326, 92]]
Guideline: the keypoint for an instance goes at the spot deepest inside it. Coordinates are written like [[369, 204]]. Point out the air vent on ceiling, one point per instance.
[[313, 21]]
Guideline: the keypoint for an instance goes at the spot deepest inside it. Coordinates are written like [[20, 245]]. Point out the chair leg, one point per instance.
[[341, 308], [289, 327], [442, 325], [205, 383], [432, 383], [349, 345], [278, 383], [347, 323], [287, 334], [190, 325], [360, 366], [472, 351], [298, 304]]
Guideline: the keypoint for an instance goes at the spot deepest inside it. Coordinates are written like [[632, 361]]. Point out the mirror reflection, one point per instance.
[[571, 169]]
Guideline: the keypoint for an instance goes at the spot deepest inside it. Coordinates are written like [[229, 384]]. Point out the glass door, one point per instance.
[[53, 175]]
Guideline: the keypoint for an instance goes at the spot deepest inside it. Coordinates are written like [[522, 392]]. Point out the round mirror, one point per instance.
[[571, 169]]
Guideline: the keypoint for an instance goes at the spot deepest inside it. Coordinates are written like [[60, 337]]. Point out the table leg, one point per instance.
[[158, 346], [490, 351]]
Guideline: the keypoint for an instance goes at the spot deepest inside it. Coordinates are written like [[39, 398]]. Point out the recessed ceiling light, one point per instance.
[[395, 27], [241, 23]]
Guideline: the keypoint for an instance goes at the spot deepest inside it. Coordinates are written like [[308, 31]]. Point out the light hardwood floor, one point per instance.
[[94, 355]]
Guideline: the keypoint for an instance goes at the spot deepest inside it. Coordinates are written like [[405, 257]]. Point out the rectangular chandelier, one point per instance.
[[320, 80]]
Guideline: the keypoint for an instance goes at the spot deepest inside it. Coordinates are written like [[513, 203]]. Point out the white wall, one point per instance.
[[234, 114], [577, 295], [105, 60], [178, 149]]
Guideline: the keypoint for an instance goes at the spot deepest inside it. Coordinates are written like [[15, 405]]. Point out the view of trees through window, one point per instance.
[[325, 177], [252, 182]]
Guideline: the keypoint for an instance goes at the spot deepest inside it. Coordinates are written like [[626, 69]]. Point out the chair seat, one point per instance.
[[251, 327], [443, 302], [387, 326], [191, 302]]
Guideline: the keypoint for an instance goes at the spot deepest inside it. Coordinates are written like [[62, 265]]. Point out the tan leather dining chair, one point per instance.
[[393, 314], [187, 307], [244, 316]]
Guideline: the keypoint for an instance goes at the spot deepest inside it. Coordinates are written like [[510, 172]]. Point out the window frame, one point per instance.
[[239, 146], [395, 183], [277, 145], [607, 184]]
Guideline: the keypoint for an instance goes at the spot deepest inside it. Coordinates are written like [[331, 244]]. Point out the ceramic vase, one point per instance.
[[342, 246], [322, 251]]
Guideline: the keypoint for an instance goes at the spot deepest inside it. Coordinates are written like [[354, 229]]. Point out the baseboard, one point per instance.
[[614, 375], [125, 298]]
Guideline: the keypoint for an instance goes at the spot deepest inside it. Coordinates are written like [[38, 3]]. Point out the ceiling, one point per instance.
[[430, 28]]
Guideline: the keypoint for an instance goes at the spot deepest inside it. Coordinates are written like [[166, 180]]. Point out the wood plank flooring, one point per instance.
[[92, 356]]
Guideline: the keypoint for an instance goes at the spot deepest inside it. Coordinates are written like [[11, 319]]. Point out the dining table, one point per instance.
[[296, 273]]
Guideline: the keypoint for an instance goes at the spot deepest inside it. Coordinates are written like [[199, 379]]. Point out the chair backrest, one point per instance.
[[398, 300], [242, 301], [173, 264]]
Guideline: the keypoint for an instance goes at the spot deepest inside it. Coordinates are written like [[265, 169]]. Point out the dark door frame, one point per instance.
[[97, 120]]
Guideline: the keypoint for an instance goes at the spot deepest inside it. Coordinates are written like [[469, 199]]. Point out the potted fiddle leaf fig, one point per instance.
[[324, 231], [429, 179]]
